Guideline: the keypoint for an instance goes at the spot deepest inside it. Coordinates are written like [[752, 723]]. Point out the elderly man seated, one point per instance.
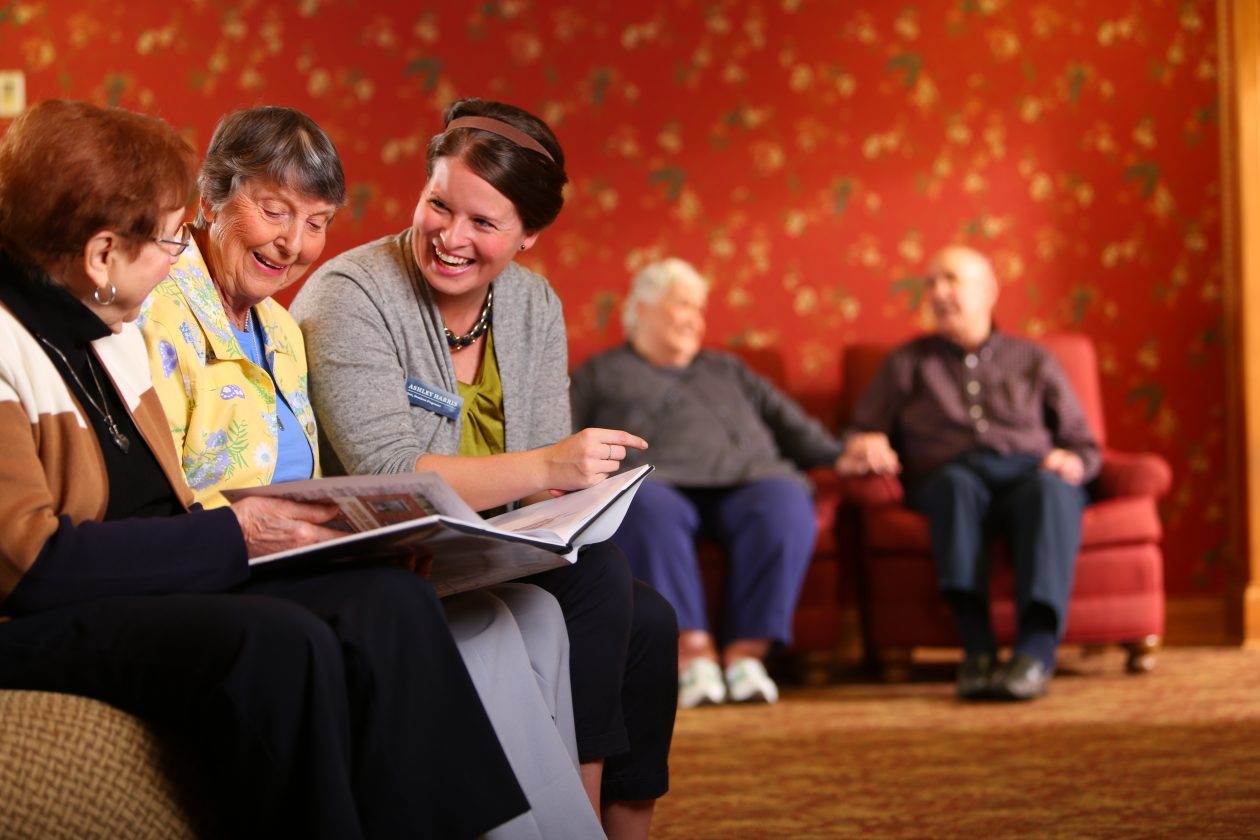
[[990, 436], [728, 447]]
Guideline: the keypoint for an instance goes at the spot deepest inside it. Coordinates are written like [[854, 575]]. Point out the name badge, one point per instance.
[[434, 399]]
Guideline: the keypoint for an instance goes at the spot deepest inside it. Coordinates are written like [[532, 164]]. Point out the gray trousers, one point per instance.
[[514, 643]]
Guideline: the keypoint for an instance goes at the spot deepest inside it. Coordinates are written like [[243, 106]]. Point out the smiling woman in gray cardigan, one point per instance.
[[433, 350], [371, 325]]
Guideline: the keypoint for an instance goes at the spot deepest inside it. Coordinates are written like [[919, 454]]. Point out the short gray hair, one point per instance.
[[651, 284], [278, 144]]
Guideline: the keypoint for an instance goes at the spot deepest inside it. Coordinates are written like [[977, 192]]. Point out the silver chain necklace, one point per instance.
[[115, 434]]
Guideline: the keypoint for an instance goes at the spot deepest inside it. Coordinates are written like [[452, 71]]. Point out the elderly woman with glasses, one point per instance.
[[229, 365]]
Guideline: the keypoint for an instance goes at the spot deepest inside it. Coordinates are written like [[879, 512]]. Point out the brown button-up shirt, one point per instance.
[[936, 401]]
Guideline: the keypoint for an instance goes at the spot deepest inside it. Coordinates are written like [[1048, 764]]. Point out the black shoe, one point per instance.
[[1024, 678], [975, 676]]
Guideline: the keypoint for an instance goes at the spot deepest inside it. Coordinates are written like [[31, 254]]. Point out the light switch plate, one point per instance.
[[12, 93]]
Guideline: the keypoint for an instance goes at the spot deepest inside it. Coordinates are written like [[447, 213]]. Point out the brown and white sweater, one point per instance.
[[55, 482]]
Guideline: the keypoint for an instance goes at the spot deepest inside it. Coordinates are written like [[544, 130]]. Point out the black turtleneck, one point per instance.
[[146, 544], [137, 485]]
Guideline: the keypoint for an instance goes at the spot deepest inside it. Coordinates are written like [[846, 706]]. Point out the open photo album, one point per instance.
[[420, 515]]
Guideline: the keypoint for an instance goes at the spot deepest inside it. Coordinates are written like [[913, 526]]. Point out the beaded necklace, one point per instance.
[[459, 342]]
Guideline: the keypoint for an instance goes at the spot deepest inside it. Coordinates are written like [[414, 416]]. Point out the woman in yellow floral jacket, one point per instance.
[[226, 433], [228, 362], [229, 366]]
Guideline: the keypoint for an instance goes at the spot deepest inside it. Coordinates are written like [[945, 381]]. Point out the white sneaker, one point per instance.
[[701, 685], [748, 682]]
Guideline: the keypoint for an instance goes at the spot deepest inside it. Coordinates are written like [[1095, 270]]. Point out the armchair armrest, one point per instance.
[[1133, 474], [827, 488], [871, 490], [827, 499]]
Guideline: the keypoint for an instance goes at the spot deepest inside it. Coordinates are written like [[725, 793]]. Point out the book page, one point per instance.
[[368, 502], [564, 517]]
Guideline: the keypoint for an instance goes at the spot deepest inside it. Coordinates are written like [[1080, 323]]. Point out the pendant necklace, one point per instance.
[[115, 434]]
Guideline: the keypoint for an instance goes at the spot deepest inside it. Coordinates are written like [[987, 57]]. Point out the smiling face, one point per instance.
[[263, 239], [668, 331], [464, 233], [962, 292]]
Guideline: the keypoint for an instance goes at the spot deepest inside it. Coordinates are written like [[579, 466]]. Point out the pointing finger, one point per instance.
[[624, 439]]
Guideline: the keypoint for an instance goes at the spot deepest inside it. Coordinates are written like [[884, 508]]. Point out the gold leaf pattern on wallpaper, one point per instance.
[[808, 157]]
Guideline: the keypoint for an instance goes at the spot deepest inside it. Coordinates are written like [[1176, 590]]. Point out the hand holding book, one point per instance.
[[271, 525]]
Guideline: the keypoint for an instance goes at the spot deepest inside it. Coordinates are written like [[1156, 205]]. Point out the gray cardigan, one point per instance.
[[370, 324]]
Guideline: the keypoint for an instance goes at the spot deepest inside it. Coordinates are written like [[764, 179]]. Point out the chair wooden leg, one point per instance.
[[1141, 655], [894, 664]]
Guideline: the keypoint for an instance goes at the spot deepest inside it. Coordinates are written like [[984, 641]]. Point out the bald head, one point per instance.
[[962, 290]]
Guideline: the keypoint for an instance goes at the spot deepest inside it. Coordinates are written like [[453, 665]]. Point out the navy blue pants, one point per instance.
[[969, 499], [767, 528]]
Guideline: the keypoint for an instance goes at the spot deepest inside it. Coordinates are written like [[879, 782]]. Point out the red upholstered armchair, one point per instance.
[[1118, 596]]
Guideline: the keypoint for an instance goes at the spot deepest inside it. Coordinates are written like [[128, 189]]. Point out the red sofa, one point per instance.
[[1118, 596]]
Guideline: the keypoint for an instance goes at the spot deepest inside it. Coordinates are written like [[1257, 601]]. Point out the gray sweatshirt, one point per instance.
[[371, 325], [714, 423]]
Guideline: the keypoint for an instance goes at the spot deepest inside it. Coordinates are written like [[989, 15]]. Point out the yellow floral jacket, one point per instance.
[[220, 405]]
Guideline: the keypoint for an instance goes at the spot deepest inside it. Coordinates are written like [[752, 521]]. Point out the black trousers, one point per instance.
[[969, 498], [623, 663], [329, 705]]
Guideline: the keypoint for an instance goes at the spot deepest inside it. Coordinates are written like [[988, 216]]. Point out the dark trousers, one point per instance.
[[331, 705], [623, 664], [969, 499], [767, 528]]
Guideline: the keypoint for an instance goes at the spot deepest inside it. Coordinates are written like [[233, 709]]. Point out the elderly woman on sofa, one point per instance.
[[229, 365], [114, 585]]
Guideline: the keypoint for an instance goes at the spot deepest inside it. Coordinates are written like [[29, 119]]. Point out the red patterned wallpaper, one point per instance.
[[807, 155]]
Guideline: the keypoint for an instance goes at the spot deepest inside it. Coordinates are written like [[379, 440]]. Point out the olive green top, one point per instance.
[[481, 426]]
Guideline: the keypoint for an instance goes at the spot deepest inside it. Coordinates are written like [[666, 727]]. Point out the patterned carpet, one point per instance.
[[1174, 753]]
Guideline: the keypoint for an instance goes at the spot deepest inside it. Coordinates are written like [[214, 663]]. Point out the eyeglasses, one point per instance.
[[175, 247]]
